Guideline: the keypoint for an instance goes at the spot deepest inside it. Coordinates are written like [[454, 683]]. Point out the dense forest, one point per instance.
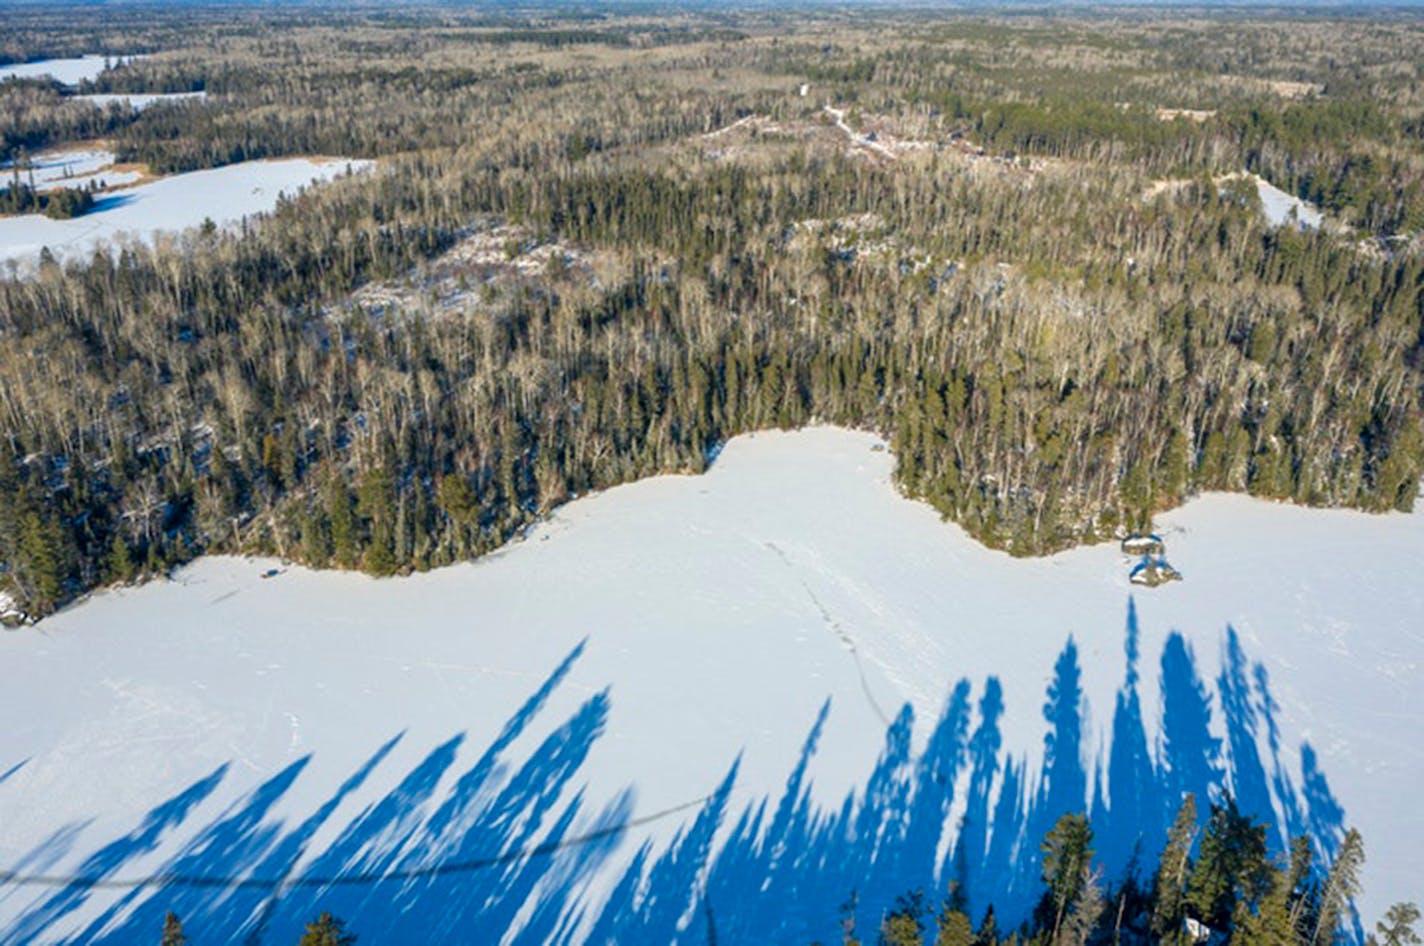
[[1020, 248]]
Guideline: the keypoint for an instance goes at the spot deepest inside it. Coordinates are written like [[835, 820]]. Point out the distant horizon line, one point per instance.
[[575, 8]]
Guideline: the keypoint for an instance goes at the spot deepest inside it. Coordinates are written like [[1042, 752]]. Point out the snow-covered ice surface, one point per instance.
[[139, 100], [225, 194], [66, 71], [649, 666], [69, 167]]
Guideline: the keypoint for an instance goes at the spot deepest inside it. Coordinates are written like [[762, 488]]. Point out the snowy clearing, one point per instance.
[[1281, 208], [225, 195], [1278, 207], [65, 71], [139, 101], [591, 686]]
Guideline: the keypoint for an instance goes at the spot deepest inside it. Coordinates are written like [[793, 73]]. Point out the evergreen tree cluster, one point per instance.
[[1052, 356], [1218, 885]]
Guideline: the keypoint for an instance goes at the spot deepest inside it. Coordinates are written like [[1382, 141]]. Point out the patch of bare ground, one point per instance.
[[492, 261], [1197, 115]]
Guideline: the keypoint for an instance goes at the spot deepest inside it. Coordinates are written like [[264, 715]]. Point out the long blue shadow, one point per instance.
[[5, 776], [481, 847]]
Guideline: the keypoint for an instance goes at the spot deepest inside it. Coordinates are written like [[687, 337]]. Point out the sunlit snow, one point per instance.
[[70, 71], [652, 643], [224, 195]]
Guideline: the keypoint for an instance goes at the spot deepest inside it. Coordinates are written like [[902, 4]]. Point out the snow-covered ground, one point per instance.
[[589, 687], [1278, 207], [70, 167], [67, 71], [139, 101], [224, 195], [1282, 208]]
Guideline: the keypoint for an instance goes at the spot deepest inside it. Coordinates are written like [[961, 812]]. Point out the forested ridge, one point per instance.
[[1047, 296]]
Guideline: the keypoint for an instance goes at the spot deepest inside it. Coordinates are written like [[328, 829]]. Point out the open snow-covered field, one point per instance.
[[224, 195], [701, 703]]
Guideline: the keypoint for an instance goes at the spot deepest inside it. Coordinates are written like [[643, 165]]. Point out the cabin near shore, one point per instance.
[[1153, 571], [1151, 568], [1140, 544]]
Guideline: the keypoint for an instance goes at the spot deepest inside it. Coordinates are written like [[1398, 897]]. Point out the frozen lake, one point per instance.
[[225, 195], [69, 167], [590, 688], [67, 71]]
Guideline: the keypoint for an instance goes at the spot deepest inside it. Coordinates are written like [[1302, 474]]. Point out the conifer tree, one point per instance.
[[953, 927], [1066, 859], [344, 541], [903, 925], [1342, 885], [1270, 923], [326, 930], [173, 931], [1397, 927], [121, 564], [1173, 870], [1083, 919], [988, 932], [1232, 865]]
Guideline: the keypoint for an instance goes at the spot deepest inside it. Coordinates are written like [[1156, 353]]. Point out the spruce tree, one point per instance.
[[1397, 927], [1066, 858], [173, 931], [988, 932], [953, 927], [1232, 866], [344, 540], [1342, 885], [121, 564], [902, 926], [1087, 911], [326, 930], [1173, 869]]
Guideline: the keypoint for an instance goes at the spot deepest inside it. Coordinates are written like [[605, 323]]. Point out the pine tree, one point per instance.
[[1232, 866], [1300, 887], [1066, 858], [1173, 869], [988, 932], [121, 564], [1270, 924], [1397, 927], [953, 927], [344, 541], [376, 501], [43, 561], [173, 931], [1087, 911], [902, 926], [1342, 885], [326, 930], [847, 920]]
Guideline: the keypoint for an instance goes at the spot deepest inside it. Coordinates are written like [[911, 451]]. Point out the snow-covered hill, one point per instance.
[[700, 702]]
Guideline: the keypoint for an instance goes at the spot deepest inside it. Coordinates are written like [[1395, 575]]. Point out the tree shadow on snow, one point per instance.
[[508, 848]]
